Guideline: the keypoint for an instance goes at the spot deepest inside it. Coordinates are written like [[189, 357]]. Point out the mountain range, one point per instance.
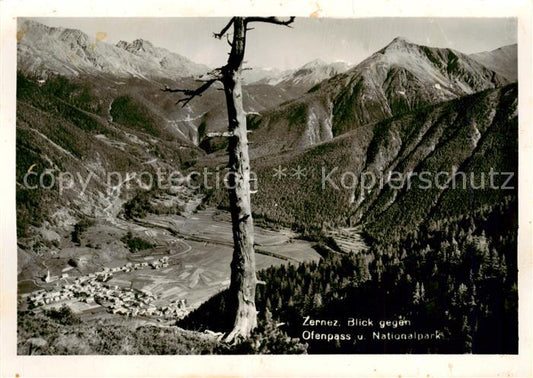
[[395, 80], [400, 77], [69, 52], [474, 133], [44, 50], [140, 69], [304, 77], [109, 97]]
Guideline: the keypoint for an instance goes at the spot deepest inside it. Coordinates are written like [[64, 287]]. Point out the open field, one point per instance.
[[348, 239], [213, 226]]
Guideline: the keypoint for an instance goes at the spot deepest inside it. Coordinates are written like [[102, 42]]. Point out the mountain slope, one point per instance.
[[60, 131], [272, 89], [138, 70], [474, 133], [393, 81], [42, 50], [402, 77], [503, 60]]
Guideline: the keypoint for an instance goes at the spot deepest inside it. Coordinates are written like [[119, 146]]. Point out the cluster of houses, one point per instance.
[[160, 264], [43, 297], [93, 288], [143, 306]]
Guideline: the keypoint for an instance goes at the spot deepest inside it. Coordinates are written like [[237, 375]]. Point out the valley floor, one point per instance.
[[188, 263]]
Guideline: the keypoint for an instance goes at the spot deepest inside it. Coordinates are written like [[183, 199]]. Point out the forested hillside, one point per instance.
[[457, 277]]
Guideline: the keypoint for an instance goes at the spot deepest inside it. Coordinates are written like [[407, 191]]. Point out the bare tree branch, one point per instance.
[[270, 20], [216, 74], [195, 93], [168, 89], [208, 79], [223, 31], [190, 93]]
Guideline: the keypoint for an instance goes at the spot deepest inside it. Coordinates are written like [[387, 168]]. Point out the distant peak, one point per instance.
[[399, 41], [136, 45], [141, 42], [314, 63]]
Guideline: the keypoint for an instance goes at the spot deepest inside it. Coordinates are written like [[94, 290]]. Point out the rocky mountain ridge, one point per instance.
[[395, 80], [43, 50]]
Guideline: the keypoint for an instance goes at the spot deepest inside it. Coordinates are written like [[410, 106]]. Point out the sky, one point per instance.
[[274, 46]]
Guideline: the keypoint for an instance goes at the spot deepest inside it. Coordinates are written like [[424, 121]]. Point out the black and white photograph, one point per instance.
[[265, 185]]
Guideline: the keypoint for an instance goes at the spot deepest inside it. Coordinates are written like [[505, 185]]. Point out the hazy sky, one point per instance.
[[349, 40]]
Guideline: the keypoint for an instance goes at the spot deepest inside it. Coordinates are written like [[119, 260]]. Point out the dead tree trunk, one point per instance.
[[243, 276]]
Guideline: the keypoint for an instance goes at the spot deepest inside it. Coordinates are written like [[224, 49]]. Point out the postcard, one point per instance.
[[215, 191]]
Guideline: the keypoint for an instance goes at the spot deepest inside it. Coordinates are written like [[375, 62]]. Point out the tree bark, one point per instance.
[[243, 277]]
